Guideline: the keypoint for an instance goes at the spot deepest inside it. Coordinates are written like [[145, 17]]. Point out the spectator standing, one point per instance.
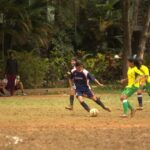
[[11, 71]]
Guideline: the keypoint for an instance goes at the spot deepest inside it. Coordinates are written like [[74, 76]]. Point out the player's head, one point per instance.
[[137, 61], [130, 61], [73, 61], [79, 65]]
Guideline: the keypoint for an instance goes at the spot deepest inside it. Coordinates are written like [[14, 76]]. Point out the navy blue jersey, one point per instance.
[[81, 79]]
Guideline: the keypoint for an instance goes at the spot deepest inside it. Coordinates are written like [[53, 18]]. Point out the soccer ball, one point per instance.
[[117, 57], [93, 112]]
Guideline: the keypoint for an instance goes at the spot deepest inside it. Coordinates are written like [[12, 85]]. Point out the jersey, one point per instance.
[[132, 74], [81, 79], [145, 70]]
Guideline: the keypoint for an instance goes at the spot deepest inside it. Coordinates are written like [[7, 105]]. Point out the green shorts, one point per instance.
[[147, 87], [129, 91]]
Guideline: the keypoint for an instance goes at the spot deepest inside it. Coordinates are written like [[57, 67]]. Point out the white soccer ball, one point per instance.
[[117, 57], [93, 112]]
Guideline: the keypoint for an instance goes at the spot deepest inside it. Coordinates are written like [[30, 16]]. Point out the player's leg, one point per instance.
[[91, 95], [124, 101], [140, 99], [2, 91], [71, 99], [80, 98], [21, 87], [148, 88], [126, 104]]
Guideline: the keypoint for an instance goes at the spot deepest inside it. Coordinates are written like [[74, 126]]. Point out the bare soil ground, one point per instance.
[[40, 122]]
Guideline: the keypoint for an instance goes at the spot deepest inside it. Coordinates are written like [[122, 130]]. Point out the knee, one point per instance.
[[122, 97], [139, 93]]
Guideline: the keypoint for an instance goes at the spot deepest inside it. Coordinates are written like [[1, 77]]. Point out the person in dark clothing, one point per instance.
[[11, 72]]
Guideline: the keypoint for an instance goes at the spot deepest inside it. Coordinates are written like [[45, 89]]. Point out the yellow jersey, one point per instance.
[[132, 75], [145, 71]]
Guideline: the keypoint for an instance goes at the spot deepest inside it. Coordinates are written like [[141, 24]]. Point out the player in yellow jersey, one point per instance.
[[131, 88], [144, 83]]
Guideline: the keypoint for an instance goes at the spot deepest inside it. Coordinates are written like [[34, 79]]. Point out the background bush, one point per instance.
[[32, 68]]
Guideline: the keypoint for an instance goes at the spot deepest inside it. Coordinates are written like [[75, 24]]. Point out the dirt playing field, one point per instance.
[[41, 123]]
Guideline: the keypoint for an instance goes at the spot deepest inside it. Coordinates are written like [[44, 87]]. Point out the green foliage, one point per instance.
[[32, 68], [104, 68], [96, 65], [58, 67]]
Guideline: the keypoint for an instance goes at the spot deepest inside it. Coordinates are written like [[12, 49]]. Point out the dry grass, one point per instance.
[[41, 123]]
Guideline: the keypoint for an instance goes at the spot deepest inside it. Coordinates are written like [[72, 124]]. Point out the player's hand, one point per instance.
[[120, 81], [102, 85]]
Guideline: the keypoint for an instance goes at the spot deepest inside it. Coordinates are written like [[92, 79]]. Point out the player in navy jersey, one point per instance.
[[81, 77]]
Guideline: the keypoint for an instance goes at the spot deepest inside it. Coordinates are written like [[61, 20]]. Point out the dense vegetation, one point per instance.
[[47, 33]]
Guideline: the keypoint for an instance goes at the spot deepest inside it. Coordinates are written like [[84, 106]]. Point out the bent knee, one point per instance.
[[122, 97]]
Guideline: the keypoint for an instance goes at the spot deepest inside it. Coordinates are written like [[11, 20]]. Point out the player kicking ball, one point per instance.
[[81, 77]]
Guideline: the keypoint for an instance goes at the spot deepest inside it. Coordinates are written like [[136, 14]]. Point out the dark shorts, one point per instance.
[[86, 91]]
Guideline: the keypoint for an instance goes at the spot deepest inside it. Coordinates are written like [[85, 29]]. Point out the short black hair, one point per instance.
[[79, 63], [74, 58], [131, 59]]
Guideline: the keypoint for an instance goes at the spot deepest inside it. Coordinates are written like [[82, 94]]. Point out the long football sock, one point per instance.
[[125, 106], [99, 102], [140, 100], [71, 100], [85, 106], [130, 106]]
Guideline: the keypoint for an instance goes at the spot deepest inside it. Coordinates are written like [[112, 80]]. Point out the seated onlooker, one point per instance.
[[18, 85], [2, 87]]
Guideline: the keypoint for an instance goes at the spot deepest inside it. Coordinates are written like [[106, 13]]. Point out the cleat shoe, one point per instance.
[[124, 116], [133, 113], [69, 107], [140, 108], [107, 109]]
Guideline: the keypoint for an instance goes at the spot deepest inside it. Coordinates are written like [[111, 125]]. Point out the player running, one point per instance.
[[144, 83], [72, 88], [131, 88], [81, 77]]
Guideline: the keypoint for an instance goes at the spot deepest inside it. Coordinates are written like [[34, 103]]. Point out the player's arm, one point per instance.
[[71, 82], [123, 80], [90, 77], [140, 74], [97, 82]]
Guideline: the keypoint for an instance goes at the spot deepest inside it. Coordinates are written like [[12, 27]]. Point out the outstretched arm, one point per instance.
[[97, 82], [123, 81]]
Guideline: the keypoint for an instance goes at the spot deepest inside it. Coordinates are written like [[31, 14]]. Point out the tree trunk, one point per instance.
[[144, 35], [127, 36]]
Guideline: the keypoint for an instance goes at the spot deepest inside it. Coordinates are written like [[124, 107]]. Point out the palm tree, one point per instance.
[[24, 25]]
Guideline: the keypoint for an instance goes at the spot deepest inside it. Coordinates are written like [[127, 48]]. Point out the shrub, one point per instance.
[[32, 68]]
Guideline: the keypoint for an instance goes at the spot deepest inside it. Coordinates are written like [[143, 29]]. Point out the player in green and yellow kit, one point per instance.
[[144, 83], [131, 88]]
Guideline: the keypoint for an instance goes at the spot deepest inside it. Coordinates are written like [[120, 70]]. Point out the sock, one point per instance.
[[130, 106], [99, 102], [125, 106], [140, 100], [85, 106], [71, 100]]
